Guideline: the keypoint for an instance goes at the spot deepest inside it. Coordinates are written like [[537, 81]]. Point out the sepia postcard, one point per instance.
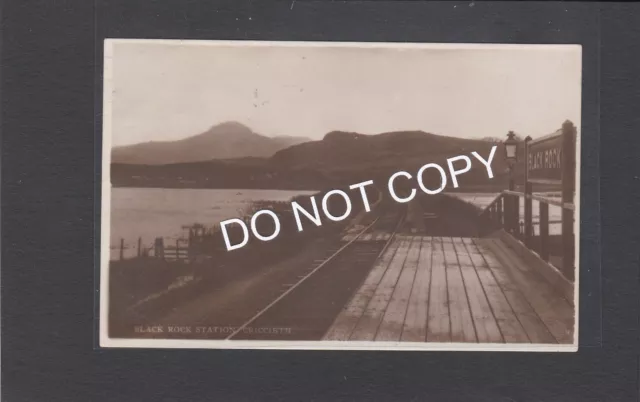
[[330, 195]]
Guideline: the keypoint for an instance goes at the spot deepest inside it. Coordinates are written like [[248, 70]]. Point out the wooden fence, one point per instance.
[[548, 160]]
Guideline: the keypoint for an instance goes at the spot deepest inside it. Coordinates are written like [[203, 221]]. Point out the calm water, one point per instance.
[[148, 213], [482, 200]]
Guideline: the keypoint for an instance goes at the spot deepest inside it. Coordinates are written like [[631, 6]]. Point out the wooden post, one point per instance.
[[508, 202], [159, 248], [568, 188], [512, 183], [139, 246], [500, 211], [508, 213], [506, 217], [516, 215], [544, 230], [528, 201], [528, 213], [121, 249]]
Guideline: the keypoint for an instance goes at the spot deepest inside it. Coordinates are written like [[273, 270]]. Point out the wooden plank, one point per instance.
[[415, 323], [347, 319], [556, 313], [438, 323], [535, 328], [390, 328], [510, 328], [484, 320], [368, 324], [462, 327], [467, 240], [548, 273]]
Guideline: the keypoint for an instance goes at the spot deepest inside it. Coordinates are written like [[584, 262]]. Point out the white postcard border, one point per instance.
[[106, 341]]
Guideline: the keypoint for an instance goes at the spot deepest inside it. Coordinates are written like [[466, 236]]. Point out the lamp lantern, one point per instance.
[[511, 148]]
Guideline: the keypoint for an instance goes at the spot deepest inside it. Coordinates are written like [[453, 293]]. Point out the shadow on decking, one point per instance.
[[444, 216]]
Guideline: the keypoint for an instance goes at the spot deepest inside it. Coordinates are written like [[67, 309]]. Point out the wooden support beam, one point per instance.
[[568, 188], [544, 231]]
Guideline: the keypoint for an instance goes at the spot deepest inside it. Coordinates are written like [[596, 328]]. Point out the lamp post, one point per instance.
[[511, 202], [511, 155]]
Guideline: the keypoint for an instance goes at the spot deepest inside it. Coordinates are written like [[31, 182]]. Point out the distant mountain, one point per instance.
[[224, 141], [340, 158], [352, 156]]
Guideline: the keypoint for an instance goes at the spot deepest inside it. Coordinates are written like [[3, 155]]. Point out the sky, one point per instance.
[[168, 90]]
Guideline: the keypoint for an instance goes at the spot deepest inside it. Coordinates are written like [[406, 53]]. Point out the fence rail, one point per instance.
[[505, 212], [182, 250]]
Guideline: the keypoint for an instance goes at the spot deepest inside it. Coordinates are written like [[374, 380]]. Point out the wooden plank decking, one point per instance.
[[442, 289]]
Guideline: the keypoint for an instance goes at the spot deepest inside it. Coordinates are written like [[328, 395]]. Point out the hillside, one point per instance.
[[353, 156], [223, 141], [338, 159], [338, 150]]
